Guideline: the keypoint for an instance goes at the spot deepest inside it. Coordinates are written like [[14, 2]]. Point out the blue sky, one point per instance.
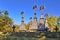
[[14, 8]]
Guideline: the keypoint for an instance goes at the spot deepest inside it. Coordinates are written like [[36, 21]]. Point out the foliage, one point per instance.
[[4, 35], [27, 26], [52, 21], [42, 38], [5, 21], [58, 23], [17, 28], [7, 28]]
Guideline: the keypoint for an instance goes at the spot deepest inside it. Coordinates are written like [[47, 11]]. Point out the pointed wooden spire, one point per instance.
[[46, 15], [42, 16], [22, 12], [42, 7], [35, 16], [22, 19], [35, 6], [30, 18]]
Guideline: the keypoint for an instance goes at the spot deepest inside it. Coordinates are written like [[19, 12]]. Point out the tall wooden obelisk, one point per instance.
[[22, 26], [46, 21], [30, 25], [41, 25], [35, 25]]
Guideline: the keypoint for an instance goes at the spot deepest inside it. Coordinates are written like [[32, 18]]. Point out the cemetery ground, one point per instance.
[[40, 35]]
